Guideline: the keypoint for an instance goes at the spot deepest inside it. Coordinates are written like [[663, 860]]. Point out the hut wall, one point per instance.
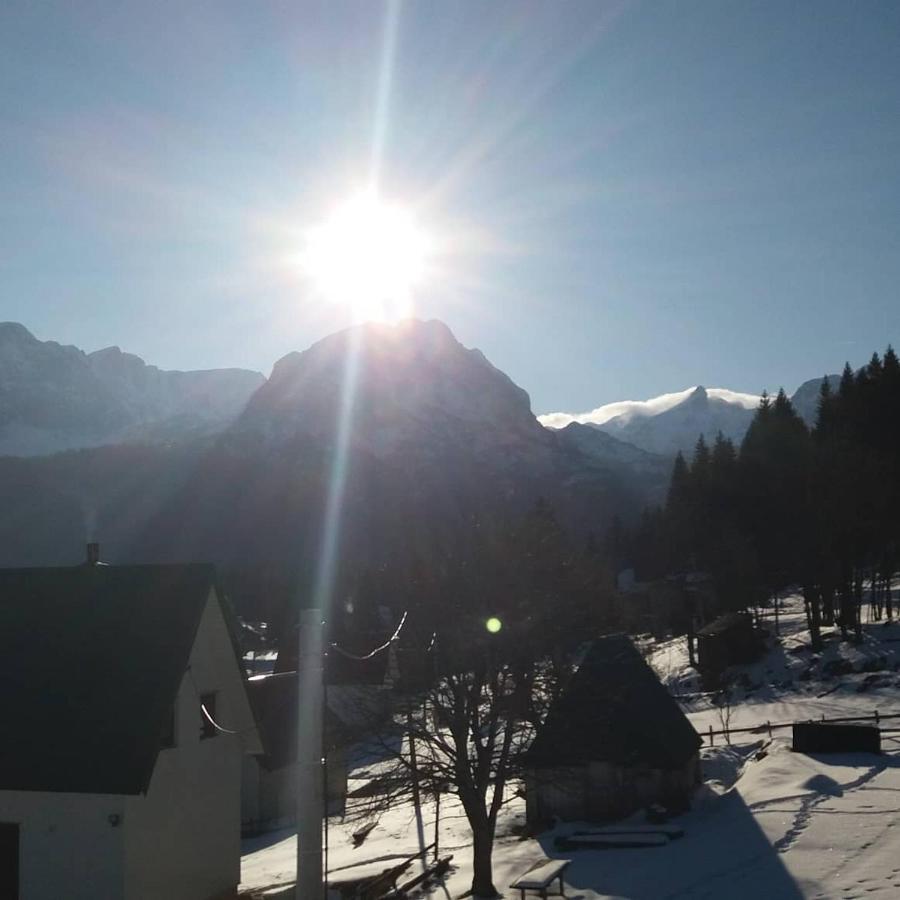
[[559, 792], [603, 791]]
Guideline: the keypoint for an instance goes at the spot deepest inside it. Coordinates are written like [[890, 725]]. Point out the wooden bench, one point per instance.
[[540, 876]]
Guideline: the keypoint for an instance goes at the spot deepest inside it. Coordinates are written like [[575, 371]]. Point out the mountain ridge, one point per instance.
[[56, 397], [442, 444]]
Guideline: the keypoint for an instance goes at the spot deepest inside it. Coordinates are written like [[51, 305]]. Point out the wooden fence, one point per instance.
[[768, 727]]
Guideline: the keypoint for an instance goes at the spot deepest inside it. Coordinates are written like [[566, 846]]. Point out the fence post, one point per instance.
[[877, 720], [770, 727], [711, 739]]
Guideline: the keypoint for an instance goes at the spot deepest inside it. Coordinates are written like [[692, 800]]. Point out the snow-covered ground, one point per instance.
[[767, 823]]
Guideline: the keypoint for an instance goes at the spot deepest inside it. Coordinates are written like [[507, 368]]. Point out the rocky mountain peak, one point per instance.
[[412, 372], [698, 396]]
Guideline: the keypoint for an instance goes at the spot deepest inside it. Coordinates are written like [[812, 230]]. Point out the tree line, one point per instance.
[[792, 505]]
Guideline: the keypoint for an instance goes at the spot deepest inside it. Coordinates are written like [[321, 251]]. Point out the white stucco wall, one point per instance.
[[182, 840], [68, 847]]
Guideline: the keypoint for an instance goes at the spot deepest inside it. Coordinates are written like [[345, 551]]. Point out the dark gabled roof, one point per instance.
[[614, 709], [91, 659]]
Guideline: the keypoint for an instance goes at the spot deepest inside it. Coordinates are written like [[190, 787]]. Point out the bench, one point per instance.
[[540, 876]]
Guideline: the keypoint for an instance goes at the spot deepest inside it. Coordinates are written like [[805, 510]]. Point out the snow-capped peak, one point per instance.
[[625, 411]]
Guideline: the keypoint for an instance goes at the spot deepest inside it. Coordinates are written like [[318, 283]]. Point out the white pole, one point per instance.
[[310, 788]]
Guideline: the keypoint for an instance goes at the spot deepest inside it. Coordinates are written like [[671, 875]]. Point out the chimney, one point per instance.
[[93, 554]]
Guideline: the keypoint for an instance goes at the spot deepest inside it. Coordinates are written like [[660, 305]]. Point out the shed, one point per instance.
[[729, 640], [614, 741]]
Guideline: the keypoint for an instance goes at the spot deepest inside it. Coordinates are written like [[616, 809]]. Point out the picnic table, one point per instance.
[[540, 876]]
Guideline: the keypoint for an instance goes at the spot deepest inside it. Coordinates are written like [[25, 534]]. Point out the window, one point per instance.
[[167, 740], [208, 703]]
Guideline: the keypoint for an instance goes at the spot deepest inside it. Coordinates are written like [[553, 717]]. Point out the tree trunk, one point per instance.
[[846, 607], [483, 871], [812, 598], [857, 604], [888, 599], [827, 603]]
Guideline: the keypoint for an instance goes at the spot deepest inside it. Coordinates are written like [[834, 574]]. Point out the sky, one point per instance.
[[625, 199]]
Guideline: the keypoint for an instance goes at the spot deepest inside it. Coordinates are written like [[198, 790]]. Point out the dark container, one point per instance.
[[811, 737]]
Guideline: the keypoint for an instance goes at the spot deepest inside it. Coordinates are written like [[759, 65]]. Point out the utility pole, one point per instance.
[[416, 792], [310, 787]]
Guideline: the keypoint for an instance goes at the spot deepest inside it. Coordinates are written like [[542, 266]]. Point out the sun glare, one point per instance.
[[367, 256]]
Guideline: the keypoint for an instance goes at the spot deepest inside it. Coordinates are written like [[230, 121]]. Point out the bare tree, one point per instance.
[[505, 638], [465, 736], [723, 703]]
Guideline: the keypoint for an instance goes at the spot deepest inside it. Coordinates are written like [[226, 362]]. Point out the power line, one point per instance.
[[377, 650]]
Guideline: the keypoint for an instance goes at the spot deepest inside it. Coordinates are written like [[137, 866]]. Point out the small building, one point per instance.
[[615, 741], [269, 794], [729, 640], [356, 700], [126, 723]]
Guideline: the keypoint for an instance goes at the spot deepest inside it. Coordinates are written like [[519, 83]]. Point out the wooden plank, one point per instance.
[[619, 840], [669, 830]]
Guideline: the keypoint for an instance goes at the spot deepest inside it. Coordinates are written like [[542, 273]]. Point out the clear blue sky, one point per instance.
[[644, 196]]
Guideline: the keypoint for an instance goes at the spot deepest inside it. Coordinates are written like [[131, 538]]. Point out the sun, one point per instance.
[[368, 256]]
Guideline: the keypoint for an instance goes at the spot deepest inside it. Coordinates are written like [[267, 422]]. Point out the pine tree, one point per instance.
[[825, 412]]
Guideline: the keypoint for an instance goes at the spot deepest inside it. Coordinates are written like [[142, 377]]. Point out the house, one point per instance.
[[613, 742], [114, 782]]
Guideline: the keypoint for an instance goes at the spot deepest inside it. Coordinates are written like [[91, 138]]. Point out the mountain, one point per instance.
[[438, 445], [651, 470], [438, 442], [55, 397], [677, 428], [672, 422]]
